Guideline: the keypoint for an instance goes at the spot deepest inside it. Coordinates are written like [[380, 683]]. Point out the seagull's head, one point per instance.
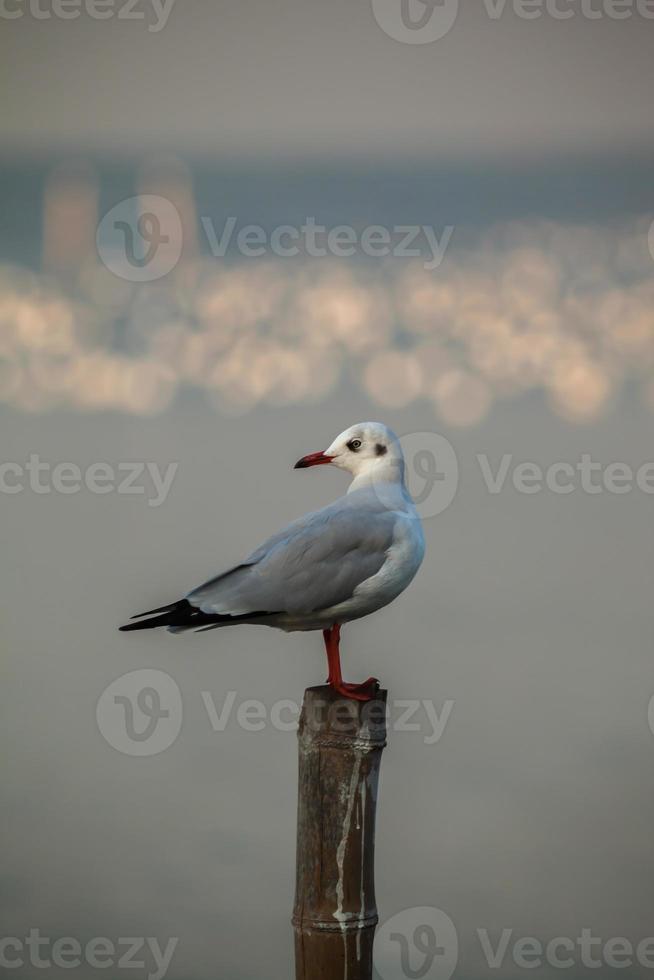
[[365, 448]]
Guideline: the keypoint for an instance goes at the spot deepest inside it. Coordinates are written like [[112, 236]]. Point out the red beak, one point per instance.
[[313, 459]]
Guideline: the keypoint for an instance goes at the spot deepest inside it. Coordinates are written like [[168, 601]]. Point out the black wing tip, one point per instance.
[[169, 615], [183, 616]]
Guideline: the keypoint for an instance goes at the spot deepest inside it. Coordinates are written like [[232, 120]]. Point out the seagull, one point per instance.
[[330, 567]]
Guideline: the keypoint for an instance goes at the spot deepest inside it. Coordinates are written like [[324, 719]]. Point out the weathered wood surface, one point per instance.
[[340, 746]]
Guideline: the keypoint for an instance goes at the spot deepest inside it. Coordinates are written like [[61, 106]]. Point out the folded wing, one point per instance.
[[313, 564]]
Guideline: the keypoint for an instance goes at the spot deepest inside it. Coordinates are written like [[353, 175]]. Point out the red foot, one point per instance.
[[371, 683], [358, 692]]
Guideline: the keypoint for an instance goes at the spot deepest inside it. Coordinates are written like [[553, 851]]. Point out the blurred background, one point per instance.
[[484, 273]]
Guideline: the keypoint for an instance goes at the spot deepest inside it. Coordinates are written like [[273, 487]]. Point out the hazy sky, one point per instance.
[[284, 78]]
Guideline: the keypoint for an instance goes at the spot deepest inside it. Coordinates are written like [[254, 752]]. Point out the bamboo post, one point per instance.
[[340, 747]]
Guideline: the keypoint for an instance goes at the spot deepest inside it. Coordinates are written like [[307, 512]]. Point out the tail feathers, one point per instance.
[[181, 616], [170, 615]]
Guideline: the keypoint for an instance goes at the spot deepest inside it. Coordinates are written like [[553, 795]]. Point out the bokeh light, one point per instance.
[[564, 309]]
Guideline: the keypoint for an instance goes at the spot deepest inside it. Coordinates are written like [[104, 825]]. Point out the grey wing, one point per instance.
[[314, 564]]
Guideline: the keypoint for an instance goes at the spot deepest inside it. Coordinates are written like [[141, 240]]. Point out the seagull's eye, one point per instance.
[[354, 445]]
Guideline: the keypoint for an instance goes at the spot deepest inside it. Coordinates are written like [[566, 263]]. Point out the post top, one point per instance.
[[326, 714]]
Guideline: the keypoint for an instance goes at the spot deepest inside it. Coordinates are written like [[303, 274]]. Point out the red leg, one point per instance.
[[359, 692], [332, 638]]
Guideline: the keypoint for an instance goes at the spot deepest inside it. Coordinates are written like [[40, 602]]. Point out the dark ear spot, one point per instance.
[[380, 450]]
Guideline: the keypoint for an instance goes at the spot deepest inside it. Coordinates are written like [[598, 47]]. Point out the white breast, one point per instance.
[[403, 561]]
